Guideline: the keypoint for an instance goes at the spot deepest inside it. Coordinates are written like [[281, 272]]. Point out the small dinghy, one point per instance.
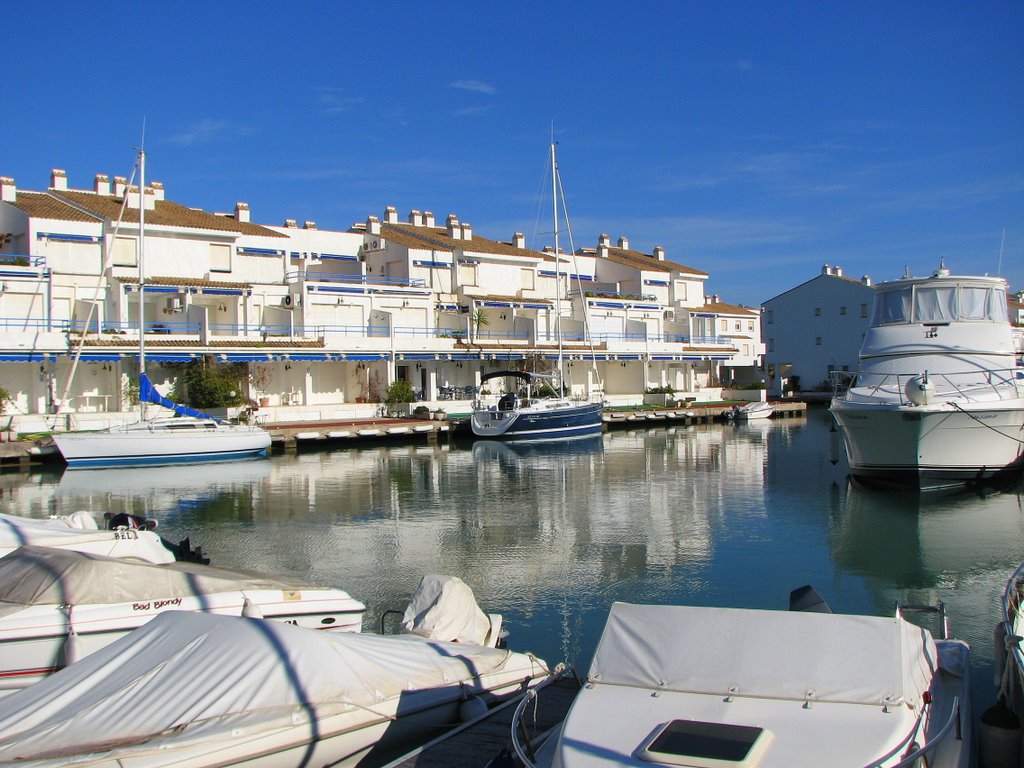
[[676, 685], [192, 689], [751, 411], [57, 606]]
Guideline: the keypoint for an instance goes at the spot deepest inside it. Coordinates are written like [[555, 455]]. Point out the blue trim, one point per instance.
[[221, 291], [417, 357], [191, 458], [655, 282], [365, 357], [259, 251], [27, 357], [97, 357], [304, 358], [432, 264], [61, 237], [171, 358], [157, 289], [551, 273], [337, 257]]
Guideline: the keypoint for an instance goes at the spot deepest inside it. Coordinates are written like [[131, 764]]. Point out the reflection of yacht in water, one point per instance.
[[169, 478], [584, 446]]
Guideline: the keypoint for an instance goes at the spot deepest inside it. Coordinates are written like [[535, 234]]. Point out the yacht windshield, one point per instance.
[[940, 304]]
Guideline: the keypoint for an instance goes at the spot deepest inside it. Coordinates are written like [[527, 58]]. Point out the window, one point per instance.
[[771, 316], [817, 311], [863, 310], [220, 257], [725, 325], [771, 345], [738, 326], [750, 326], [842, 310], [527, 279], [124, 253], [817, 341]]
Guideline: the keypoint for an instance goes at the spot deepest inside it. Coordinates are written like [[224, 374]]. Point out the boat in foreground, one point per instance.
[[1009, 653], [695, 686], [80, 533], [192, 689], [938, 398], [515, 417], [58, 606], [752, 411]]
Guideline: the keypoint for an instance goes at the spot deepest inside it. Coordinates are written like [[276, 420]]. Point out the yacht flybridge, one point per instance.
[[938, 398]]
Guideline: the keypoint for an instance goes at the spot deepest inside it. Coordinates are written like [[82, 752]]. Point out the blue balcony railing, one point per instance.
[[21, 260], [364, 280]]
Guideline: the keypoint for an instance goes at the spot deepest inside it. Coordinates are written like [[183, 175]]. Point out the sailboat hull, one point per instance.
[[543, 421], [173, 441]]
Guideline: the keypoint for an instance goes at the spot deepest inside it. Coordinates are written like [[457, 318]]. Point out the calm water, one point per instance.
[[708, 515]]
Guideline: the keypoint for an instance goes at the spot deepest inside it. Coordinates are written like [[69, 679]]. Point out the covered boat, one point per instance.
[[80, 533], [193, 690], [938, 398], [58, 606], [702, 686]]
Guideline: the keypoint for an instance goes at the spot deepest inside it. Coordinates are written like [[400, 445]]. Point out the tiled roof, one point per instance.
[[185, 282], [437, 238], [721, 308], [643, 261], [74, 205]]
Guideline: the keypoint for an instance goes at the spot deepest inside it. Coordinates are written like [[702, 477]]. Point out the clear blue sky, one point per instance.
[[754, 141]]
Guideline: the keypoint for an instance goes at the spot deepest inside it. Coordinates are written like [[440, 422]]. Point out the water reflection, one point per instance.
[[733, 515]]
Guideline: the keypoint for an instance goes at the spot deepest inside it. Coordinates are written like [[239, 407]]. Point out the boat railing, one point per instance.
[[910, 759], [968, 386]]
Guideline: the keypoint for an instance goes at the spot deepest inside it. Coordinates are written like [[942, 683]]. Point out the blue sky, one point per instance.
[[754, 141]]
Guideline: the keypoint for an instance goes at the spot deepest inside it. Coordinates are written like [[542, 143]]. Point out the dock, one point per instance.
[[475, 743]]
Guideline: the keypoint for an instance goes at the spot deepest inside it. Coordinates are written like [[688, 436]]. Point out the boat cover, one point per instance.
[[194, 677], [17, 531], [766, 654], [45, 576], [444, 608]]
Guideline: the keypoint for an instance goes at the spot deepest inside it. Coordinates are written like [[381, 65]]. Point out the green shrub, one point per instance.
[[399, 391], [211, 385]]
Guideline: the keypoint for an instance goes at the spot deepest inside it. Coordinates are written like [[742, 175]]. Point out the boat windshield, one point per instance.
[[939, 304]]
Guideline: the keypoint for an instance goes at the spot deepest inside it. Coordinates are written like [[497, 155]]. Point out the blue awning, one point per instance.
[[171, 358], [245, 357], [365, 357], [98, 357], [27, 357], [309, 358]]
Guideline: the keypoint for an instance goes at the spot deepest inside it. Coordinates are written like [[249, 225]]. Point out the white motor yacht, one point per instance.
[[938, 398]]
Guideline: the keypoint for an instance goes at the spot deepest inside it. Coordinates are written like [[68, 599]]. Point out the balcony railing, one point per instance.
[[21, 260], [364, 280]]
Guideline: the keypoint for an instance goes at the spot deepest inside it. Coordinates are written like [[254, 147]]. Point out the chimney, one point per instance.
[[102, 184], [132, 193], [603, 243], [428, 219], [866, 280], [290, 224], [8, 192], [715, 298], [826, 270], [58, 179], [242, 212], [415, 218], [837, 271], [391, 215], [454, 229], [659, 253], [120, 186], [467, 231], [518, 241], [373, 225], [309, 224], [624, 243], [158, 190], [149, 198]]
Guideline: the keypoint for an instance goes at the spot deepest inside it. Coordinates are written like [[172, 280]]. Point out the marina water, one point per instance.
[[712, 514]]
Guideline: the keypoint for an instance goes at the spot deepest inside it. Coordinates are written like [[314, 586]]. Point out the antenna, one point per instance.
[[1002, 242]]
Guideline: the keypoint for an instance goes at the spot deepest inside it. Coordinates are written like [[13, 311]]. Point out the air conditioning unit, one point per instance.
[[174, 304], [670, 314], [293, 300]]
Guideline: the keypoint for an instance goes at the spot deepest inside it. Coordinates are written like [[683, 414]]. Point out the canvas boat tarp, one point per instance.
[[769, 654], [444, 608], [18, 531], [45, 576], [172, 677]]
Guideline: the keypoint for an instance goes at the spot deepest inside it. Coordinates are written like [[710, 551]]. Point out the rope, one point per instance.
[[987, 426]]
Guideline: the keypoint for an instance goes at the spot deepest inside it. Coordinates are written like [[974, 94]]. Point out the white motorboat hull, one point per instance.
[[932, 445], [124, 543], [165, 441]]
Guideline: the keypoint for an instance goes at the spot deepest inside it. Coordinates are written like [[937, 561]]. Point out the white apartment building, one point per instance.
[[326, 319], [815, 328]]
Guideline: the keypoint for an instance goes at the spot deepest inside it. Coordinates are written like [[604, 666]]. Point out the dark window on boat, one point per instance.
[[704, 742]]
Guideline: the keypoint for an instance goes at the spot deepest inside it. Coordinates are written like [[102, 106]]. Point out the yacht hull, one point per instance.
[[932, 445], [538, 422]]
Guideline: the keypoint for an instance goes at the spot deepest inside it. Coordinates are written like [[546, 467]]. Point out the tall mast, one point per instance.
[[558, 266], [142, 273]]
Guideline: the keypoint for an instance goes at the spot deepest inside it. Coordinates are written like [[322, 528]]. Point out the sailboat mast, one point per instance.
[[142, 274], [558, 267]]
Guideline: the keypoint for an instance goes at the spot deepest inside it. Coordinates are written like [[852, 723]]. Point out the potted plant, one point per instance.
[[398, 395], [440, 414], [421, 412]]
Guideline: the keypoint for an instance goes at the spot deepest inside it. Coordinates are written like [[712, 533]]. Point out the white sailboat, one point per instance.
[[557, 417], [187, 436]]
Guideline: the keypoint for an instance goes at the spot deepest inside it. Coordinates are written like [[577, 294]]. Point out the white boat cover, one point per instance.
[[46, 576], [444, 608], [74, 533], [172, 677], [766, 654]]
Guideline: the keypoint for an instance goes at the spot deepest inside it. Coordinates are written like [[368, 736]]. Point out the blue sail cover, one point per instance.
[[148, 394]]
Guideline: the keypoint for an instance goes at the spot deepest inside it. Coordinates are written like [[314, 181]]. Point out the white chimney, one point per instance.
[[428, 219], [8, 192], [120, 186], [415, 218], [290, 224], [624, 243], [467, 231], [826, 270], [603, 243], [149, 198], [454, 228], [158, 190], [307, 224], [866, 280], [242, 212], [659, 253], [58, 179], [838, 271], [373, 225], [391, 215], [132, 193], [102, 184], [518, 240]]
